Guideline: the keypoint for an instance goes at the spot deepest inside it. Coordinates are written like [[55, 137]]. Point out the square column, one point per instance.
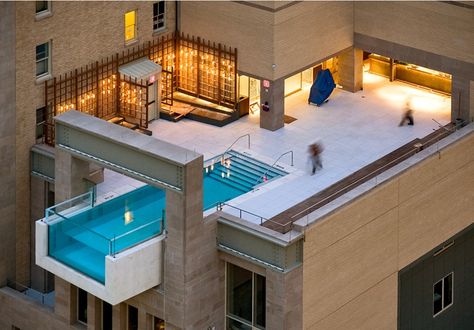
[[192, 272], [65, 305], [284, 299], [274, 95], [351, 70], [462, 105], [69, 175], [94, 312]]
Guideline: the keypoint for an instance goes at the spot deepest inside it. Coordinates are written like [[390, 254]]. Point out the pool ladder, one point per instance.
[[273, 165], [248, 143]]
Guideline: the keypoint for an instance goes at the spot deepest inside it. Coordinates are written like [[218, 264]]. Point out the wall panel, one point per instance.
[[345, 256]]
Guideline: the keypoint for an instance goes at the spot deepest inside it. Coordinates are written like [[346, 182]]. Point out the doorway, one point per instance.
[[153, 101], [250, 87]]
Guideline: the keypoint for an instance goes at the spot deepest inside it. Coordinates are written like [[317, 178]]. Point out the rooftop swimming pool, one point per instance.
[[81, 237]]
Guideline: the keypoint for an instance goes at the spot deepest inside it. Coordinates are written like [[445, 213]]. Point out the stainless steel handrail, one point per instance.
[[273, 165], [248, 135], [220, 205]]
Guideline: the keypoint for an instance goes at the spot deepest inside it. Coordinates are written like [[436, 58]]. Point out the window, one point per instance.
[[81, 306], [106, 316], [43, 9], [443, 294], [40, 120], [159, 13], [130, 26], [246, 297], [158, 324], [43, 59], [132, 318]]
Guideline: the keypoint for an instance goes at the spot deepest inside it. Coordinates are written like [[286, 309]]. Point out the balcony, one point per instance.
[[112, 250]]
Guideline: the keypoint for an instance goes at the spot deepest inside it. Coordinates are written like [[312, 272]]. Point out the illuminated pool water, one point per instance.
[[82, 239]]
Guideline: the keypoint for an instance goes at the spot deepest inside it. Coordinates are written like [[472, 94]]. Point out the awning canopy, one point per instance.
[[141, 69]]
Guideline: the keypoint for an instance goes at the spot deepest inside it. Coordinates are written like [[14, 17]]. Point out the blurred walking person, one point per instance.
[[315, 150], [408, 115]]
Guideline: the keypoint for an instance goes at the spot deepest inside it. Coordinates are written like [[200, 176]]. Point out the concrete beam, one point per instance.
[[125, 151]]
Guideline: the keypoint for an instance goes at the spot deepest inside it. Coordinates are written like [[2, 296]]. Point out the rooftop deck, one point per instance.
[[355, 129]]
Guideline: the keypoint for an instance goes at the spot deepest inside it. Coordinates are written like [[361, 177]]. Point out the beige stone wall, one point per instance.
[[247, 28], [309, 32], [292, 36], [7, 142], [434, 27], [81, 32], [352, 257]]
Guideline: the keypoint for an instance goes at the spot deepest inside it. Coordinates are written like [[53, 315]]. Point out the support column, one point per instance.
[[274, 95], [184, 219], [119, 316], [191, 263], [65, 304], [284, 293], [39, 195], [142, 319], [94, 311], [351, 70], [461, 99], [9, 234], [69, 176], [69, 173]]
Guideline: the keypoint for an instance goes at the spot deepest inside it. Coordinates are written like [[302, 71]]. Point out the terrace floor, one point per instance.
[[354, 128]]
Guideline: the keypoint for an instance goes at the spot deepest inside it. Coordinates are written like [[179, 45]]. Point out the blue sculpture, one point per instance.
[[322, 87]]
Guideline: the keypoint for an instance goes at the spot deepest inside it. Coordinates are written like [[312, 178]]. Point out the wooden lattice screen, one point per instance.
[[207, 71]]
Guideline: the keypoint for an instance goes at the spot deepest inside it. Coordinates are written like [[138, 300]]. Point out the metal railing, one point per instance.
[[273, 165], [248, 143], [220, 206], [83, 200], [32, 293], [108, 245], [372, 174]]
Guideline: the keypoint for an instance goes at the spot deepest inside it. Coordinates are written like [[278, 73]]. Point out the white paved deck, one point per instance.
[[354, 128]]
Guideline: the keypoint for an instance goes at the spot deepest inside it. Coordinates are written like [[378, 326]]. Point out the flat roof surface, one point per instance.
[[354, 128]]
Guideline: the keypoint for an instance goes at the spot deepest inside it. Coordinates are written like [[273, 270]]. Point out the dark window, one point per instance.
[[106, 316], [42, 6], [42, 59], [82, 306], [437, 297], [159, 17], [448, 290], [246, 298], [260, 294], [239, 298], [40, 119], [443, 294], [132, 318]]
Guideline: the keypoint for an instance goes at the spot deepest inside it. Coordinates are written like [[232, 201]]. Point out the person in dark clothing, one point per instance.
[[315, 150], [408, 115]]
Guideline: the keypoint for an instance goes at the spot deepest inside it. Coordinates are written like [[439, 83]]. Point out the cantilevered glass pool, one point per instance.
[[81, 236]]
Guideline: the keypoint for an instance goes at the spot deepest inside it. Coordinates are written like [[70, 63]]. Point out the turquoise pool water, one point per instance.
[[84, 239]]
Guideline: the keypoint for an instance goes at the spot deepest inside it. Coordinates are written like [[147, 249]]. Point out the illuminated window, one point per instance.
[[43, 59], [130, 26], [443, 294], [159, 18]]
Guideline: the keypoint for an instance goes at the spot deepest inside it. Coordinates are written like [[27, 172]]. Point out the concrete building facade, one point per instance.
[[342, 266]]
